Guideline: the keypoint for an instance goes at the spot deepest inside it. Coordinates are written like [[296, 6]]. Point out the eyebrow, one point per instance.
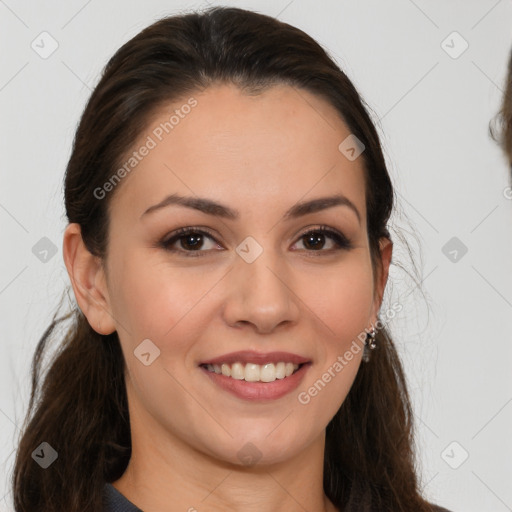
[[218, 210]]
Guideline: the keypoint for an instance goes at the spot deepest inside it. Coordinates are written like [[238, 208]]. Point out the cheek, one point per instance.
[[341, 300], [341, 306], [152, 299], [156, 302], [144, 304]]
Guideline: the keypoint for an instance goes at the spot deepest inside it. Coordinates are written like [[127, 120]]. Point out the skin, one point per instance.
[[260, 155]]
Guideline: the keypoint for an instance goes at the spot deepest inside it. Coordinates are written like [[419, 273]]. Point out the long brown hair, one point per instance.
[[78, 404]]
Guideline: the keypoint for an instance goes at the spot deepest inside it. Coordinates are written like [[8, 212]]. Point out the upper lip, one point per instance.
[[250, 356]]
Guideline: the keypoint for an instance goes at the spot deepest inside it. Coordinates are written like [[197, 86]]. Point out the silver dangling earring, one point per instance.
[[369, 344]]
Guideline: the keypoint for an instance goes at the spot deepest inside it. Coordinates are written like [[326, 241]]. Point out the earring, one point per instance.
[[369, 344]]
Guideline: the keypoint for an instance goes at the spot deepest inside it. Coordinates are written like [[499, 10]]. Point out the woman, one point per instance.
[[228, 249]]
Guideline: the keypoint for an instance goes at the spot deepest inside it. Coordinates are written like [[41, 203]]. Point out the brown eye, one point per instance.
[[189, 240], [314, 240]]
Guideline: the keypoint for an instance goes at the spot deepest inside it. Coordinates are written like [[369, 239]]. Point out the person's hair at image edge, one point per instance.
[[78, 402], [501, 126]]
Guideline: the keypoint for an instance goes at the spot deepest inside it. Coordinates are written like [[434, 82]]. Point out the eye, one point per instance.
[[314, 240], [192, 241]]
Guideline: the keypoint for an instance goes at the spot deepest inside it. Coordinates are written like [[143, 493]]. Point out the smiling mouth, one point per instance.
[[251, 372]]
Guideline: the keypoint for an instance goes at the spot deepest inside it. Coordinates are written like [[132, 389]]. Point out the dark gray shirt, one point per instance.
[[114, 501]]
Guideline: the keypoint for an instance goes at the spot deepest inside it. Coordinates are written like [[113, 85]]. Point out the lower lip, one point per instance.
[[257, 391]]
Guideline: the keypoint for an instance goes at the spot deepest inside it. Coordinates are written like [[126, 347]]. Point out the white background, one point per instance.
[[432, 112]]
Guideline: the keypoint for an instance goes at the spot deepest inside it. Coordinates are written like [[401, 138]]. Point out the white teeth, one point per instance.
[[268, 373], [254, 372], [289, 368], [226, 370], [237, 371]]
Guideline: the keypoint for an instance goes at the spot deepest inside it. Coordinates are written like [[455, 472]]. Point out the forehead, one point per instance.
[[275, 147]]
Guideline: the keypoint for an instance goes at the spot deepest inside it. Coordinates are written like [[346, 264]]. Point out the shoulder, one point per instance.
[[114, 501]]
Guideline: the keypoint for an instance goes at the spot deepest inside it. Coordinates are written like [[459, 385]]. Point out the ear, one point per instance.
[[386, 250], [88, 280]]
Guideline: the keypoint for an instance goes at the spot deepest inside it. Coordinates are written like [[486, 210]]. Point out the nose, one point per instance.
[[261, 294]]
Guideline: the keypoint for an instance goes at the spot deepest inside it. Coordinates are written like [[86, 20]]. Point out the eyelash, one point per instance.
[[341, 240]]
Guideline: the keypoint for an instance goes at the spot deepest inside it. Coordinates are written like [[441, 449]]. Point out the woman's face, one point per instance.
[[248, 281]]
